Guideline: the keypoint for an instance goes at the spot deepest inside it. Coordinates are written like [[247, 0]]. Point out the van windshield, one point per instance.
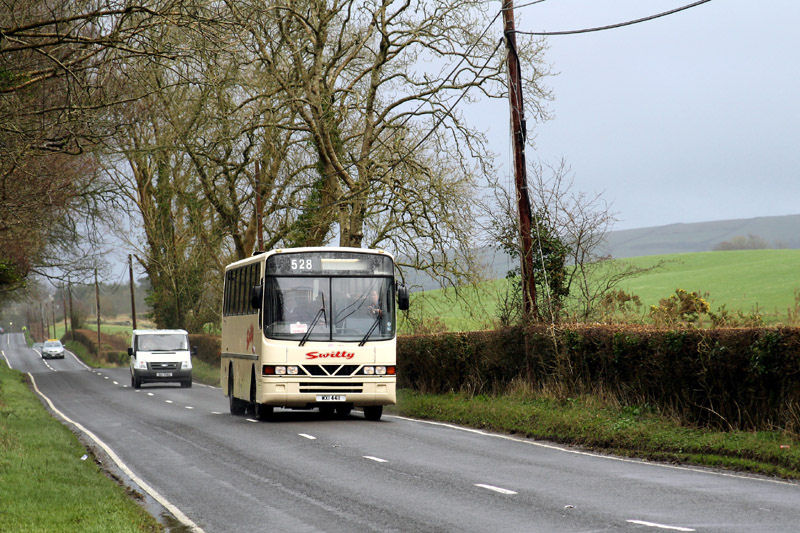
[[162, 342]]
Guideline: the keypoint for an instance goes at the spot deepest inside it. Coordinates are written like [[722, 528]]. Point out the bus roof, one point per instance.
[[263, 255]]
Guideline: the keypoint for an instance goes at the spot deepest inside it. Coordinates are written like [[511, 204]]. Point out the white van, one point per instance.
[[160, 355]]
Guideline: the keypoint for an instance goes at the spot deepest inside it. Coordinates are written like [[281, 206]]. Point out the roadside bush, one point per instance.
[[747, 378], [208, 347]]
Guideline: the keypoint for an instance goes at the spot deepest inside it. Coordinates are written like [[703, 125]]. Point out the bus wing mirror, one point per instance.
[[403, 300], [256, 296]]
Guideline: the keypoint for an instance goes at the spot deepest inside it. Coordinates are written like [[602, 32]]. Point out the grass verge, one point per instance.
[[627, 431], [45, 484], [204, 372]]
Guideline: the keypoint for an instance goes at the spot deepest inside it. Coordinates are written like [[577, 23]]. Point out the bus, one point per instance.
[[310, 328]]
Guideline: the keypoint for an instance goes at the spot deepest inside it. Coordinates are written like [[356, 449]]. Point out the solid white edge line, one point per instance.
[[495, 489], [590, 454], [136, 479], [307, 436], [660, 526], [8, 363], [376, 459], [84, 365]]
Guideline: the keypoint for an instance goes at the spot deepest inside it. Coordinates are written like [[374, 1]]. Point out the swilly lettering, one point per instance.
[[330, 355]]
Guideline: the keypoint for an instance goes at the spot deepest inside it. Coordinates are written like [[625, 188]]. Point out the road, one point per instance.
[[304, 473]]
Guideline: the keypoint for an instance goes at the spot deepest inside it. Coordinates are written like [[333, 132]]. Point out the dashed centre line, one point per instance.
[[495, 489], [307, 436], [376, 459], [168, 401], [660, 526]]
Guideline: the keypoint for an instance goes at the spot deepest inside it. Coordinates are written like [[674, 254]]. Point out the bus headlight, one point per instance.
[[369, 370]]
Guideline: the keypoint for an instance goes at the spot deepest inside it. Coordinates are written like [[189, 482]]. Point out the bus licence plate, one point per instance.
[[164, 374], [331, 397]]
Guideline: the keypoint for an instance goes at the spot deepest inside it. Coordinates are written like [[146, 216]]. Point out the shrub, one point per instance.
[[745, 378]]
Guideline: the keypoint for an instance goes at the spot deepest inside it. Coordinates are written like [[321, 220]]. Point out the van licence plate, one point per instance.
[[331, 397], [163, 374]]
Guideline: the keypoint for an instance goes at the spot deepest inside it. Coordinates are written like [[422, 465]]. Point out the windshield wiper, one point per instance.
[[371, 329], [320, 313]]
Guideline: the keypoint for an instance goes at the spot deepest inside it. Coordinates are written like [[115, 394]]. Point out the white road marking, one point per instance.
[[84, 365], [496, 489], [105, 377], [6, 358], [150, 394], [168, 401], [590, 454], [376, 459], [189, 407], [660, 526], [251, 420], [307, 436], [136, 479], [116, 383], [215, 413]]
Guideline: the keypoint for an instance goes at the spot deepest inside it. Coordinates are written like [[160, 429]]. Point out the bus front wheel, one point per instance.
[[373, 412]]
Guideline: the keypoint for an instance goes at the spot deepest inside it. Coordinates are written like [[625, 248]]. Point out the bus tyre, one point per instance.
[[237, 406], [262, 412], [373, 412]]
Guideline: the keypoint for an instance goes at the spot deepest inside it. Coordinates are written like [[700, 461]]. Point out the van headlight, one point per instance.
[[186, 365], [140, 365]]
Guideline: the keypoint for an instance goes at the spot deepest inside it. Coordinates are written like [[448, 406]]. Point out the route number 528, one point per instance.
[[301, 264]]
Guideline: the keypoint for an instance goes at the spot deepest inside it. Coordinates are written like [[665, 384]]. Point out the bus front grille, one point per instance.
[[329, 370]]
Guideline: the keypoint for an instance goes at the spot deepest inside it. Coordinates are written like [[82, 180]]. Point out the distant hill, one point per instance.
[[779, 232]]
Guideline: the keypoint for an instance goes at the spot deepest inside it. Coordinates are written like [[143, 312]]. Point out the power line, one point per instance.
[[613, 26]]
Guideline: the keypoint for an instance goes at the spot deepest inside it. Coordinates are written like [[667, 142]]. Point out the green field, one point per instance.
[[765, 281]]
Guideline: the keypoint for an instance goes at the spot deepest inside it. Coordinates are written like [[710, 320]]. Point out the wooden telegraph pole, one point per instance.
[[97, 301], [133, 300], [259, 208], [64, 306], [520, 178]]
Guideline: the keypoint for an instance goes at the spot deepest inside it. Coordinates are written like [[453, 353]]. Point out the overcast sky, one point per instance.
[[687, 118]]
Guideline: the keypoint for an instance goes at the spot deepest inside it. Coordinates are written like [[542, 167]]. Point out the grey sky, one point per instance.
[[687, 118]]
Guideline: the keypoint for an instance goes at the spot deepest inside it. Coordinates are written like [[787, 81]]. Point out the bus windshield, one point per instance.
[[322, 308]]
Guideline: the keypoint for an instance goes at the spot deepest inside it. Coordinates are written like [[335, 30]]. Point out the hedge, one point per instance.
[[208, 347], [731, 378]]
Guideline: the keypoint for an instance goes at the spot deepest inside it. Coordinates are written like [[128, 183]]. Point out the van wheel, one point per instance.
[[237, 406], [373, 412], [136, 383]]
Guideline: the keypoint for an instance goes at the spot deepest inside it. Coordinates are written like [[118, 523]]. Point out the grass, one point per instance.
[[46, 486], [632, 431], [204, 372], [743, 280]]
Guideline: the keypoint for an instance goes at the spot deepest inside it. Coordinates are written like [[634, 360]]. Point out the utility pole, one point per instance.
[[41, 317], [259, 208], [133, 300], [64, 306], [97, 300], [53, 310], [71, 323], [520, 179]]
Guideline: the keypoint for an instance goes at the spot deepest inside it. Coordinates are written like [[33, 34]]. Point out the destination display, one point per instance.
[[328, 264]]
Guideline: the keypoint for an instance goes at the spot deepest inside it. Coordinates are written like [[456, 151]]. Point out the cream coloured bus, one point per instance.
[[310, 328]]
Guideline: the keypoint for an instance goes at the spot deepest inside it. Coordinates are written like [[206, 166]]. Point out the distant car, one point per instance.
[[53, 349]]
